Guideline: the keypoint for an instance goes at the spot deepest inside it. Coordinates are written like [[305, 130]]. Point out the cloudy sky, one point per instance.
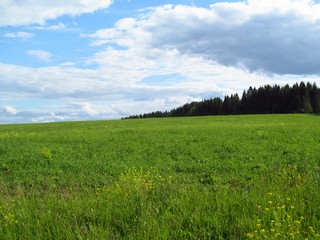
[[106, 59]]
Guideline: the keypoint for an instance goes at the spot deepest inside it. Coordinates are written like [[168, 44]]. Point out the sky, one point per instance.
[[107, 59]]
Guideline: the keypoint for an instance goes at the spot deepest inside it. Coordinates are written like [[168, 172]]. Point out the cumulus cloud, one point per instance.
[[274, 37], [16, 12], [40, 55]]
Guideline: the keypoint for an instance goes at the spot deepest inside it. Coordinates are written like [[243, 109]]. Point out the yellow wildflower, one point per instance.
[[250, 235]]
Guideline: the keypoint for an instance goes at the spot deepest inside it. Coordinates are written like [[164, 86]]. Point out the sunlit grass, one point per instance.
[[233, 177]]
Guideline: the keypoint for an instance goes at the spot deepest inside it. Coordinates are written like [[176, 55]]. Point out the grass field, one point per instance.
[[223, 177]]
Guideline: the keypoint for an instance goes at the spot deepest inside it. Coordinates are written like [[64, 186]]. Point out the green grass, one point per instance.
[[223, 177]]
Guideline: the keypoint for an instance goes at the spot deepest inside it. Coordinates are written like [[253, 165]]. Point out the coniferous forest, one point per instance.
[[299, 98]]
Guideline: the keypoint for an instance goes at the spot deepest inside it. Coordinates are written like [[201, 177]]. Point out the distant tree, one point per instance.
[[244, 102], [235, 104], [315, 98], [227, 108], [217, 106], [300, 98]]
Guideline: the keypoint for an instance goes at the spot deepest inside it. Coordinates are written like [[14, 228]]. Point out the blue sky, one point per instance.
[[89, 59]]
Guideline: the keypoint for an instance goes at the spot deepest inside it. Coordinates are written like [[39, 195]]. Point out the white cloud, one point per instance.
[[76, 111], [10, 110], [20, 35], [16, 12], [85, 107], [56, 27], [40, 55], [48, 117], [277, 37]]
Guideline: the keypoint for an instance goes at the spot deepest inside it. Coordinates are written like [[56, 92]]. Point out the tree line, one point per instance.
[[299, 98]]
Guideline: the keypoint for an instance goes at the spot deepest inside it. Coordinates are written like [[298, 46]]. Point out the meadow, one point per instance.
[[218, 177]]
